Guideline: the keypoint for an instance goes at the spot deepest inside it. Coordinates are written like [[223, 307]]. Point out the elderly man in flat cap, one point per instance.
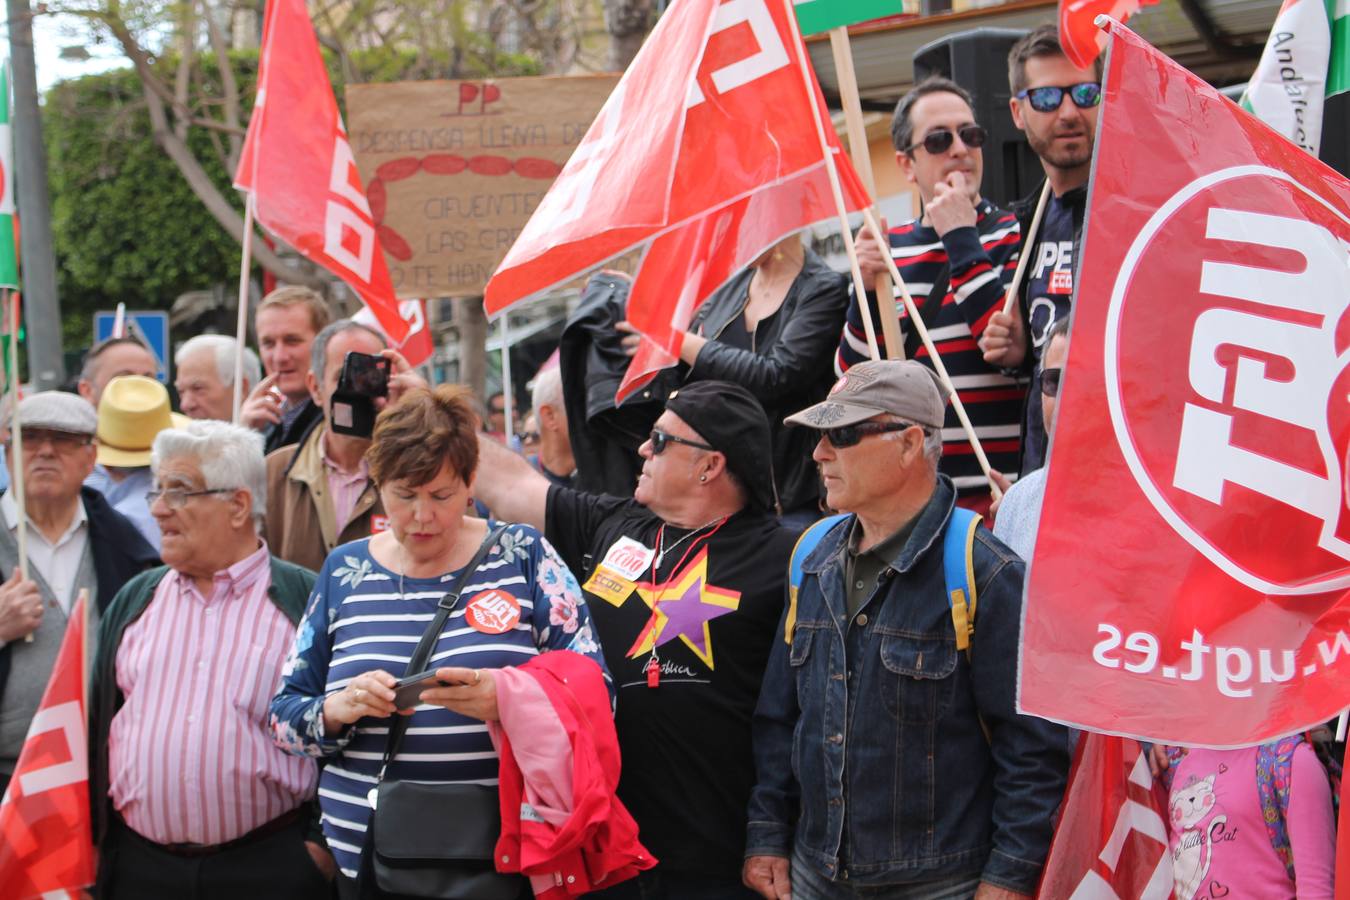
[[685, 585], [912, 774], [75, 541]]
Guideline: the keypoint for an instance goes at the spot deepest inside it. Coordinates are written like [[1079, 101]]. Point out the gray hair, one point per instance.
[[318, 351], [223, 348], [230, 456], [548, 390], [932, 439]]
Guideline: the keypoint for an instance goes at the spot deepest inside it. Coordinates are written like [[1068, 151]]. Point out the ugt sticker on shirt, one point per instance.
[[492, 612]]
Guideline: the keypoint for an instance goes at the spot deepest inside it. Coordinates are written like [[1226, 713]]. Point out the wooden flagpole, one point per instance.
[[241, 330], [16, 435], [1022, 258], [862, 162], [917, 321], [835, 188]]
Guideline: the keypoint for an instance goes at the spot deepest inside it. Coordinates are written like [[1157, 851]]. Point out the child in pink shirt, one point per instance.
[[1220, 843]]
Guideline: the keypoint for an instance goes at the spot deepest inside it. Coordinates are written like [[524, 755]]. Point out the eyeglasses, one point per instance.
[[1050, 381], [177, 498], [1047, 99], [529, 437], [660, 440], [61, 441], [844, 436], [939, 140]]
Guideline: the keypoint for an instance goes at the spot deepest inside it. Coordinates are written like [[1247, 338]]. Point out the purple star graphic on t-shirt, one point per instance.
[[687, 615]]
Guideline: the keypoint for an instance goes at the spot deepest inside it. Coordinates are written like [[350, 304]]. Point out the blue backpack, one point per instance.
[[958, 565]]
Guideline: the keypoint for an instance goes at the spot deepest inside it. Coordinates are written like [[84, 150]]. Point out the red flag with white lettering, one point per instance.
[[46, 843], [707, 153], [418, 346], [1191, 570], [298, 166], [1111, 840]]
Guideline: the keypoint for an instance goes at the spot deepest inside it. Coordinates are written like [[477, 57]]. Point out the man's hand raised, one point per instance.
[[951, 206], [262, 406], [871, 262]]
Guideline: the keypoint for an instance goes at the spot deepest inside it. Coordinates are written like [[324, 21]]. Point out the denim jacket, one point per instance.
[[891, 777]]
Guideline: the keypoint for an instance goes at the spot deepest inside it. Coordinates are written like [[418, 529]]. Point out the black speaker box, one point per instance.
[[1335, 149], [978, 61]]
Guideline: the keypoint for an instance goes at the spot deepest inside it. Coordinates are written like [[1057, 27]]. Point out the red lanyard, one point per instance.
[[653, 667]]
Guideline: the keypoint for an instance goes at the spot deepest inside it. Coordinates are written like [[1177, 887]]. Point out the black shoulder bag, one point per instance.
[[929, 311], [437, 840]]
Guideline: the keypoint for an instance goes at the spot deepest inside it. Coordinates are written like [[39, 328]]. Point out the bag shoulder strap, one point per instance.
[[809, 540], [1274, 765], [929, 311], [958, 566], [444, 607]]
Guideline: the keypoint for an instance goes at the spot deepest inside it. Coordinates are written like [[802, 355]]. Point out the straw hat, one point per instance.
[[132, 410]]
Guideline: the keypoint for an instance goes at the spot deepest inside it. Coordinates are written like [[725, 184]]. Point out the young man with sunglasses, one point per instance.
[[912, 774], [1055, 104], [957, 259], [685, 585]]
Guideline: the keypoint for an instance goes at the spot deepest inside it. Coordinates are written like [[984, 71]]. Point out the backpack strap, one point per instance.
[[809, 540], [958, 565], [1274, 767]]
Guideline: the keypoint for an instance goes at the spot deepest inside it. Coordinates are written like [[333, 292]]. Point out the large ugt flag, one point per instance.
[[298, 166], [46, 845], [1191, 571], [707, 152]]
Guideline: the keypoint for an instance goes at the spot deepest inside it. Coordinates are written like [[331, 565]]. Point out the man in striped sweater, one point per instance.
[[957, 260]]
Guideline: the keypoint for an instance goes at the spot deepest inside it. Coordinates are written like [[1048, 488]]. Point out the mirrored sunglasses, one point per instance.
[[1048, 99]]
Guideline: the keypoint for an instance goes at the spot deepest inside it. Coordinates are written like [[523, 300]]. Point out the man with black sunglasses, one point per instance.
[[912, 774], [957, 259], [1055, 104], [685, 583]]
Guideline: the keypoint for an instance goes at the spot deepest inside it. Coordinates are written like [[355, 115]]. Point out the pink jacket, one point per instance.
[[562, 824]]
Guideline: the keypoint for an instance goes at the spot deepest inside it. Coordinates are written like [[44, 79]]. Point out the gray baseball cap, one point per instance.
[[903, 388], [58, 411]]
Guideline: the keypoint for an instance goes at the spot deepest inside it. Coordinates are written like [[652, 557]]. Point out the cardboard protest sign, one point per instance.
[[1190, 578], [454, 169]]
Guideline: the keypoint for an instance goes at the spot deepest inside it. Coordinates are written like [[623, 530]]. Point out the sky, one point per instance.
[[50, 34]]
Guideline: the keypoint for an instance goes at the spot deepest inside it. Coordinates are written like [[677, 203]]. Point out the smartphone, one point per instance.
[[352, 408], [410, 687]]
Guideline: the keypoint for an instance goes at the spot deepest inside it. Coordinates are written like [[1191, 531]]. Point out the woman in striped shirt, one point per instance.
[[375, 597]]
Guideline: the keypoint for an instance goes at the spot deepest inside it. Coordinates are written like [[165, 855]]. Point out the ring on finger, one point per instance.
[[477, 676], [359, 693]]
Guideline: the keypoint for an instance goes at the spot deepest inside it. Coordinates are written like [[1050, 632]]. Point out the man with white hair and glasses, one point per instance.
[[191, 798]]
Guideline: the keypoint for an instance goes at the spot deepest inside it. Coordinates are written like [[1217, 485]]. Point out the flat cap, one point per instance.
[[903, 388], [58, 411]]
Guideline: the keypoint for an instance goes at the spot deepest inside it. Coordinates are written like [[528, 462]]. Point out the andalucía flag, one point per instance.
[[9, 265], [1306, 59]]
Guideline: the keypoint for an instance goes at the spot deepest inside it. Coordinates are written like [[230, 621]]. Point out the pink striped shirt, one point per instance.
[[191, 759], [346, 487]]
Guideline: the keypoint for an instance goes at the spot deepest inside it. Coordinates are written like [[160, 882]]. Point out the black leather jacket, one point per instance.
[[789, 369]]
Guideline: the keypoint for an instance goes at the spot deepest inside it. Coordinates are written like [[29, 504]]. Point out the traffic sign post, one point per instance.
[[151, 326]]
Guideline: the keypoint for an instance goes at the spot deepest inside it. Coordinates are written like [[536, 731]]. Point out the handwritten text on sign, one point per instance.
[[454, 169]]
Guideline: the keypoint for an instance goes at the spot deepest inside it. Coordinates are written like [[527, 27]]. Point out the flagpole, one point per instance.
[[862, 162], [1026, 249], [506, 378], [917, 321], [16, 435], [835, 189], [241, 330]]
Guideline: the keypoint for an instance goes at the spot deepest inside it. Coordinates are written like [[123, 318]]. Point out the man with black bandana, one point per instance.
[[685, 582]]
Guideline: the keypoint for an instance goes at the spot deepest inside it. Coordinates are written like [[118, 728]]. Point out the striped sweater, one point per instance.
[[982, 260], [362, 616]]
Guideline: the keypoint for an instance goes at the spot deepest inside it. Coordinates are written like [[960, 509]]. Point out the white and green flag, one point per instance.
[[1306, 60], [9, 267]]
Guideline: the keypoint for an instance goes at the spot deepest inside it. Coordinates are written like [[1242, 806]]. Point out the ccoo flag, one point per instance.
[[1307, 59], [9, 267]]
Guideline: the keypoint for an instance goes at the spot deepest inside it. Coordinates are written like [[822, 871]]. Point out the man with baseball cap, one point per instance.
[[75, 541], [912, 774], [132, 410], [685, 583]]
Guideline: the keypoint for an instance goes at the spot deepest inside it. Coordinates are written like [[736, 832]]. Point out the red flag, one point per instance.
[[706, 154], [46, 843], [298, 166], [1111, 841], [418, 346], [1079, 35], [1191, 571]]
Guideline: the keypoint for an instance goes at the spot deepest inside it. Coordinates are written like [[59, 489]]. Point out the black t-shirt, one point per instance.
[[687, 763]]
